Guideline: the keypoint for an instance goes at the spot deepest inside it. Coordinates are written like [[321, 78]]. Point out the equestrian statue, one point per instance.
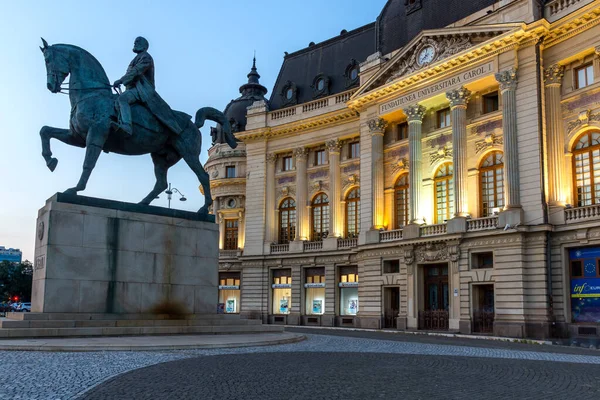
[[135, 122]]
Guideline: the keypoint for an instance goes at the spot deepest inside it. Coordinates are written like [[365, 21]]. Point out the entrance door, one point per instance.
[[435, 314], [391, 306], [483, 308]]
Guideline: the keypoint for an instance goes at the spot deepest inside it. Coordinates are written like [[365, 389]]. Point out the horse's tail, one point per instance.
[[217, 116]]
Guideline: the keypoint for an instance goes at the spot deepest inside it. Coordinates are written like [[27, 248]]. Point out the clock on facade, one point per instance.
[[426, 55]]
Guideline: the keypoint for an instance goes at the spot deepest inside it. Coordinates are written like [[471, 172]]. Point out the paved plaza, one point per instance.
[[328, 365]]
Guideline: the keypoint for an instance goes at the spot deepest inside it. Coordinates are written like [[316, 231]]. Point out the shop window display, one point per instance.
[[315, 291], [282, 292], [585, 284], [229, 292], [348, 291]]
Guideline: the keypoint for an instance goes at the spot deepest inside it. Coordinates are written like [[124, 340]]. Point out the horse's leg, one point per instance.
[[95, 140], [64, 135], [162, 163], [188, 145]]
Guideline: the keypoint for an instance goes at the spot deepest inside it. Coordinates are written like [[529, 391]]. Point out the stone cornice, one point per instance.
[[519, 37], [580, 20], [306, 125], [226, 182]]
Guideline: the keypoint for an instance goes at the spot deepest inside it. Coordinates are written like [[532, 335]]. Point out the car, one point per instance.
[[24, 307]]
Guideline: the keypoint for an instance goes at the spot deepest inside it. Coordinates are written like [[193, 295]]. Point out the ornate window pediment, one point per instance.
[[429, 48], [320, 86], [289, 94]]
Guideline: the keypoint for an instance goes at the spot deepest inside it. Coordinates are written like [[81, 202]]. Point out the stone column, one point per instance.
[[555, 136], [221, 222], [377, 128], [335, 207], [301, 154], [512, 202], [241, 230], [270, 206], [458, 103], [415, 116]]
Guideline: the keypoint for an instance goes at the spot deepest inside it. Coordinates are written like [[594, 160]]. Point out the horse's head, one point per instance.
[[57, 67]]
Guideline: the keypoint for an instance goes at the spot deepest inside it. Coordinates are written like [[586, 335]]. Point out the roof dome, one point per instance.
[[250, 92]]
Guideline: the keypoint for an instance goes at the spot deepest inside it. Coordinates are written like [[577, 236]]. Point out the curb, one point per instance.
[[91, 348], [439, 334]]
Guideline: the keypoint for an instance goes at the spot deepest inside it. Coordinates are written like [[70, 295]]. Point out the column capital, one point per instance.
[[271, 158], [301, 153], [377, 126], [459, 97], [415, 113], [334, 146], [507, 79], [553, 75], [597, 51]]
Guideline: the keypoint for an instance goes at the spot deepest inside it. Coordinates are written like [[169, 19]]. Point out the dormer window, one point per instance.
[[351, 73], [320, 86], [289, 94]]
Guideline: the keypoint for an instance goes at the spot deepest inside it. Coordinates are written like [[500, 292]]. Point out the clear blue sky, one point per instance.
[[202, 52]]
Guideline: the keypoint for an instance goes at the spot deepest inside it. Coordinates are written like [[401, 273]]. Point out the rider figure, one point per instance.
[[139, 81]]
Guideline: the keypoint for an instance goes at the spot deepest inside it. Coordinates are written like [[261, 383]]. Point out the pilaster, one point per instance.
[[335, 208], [270, 217], [301, 154], [415, 116], [459, 99], [508, 87]]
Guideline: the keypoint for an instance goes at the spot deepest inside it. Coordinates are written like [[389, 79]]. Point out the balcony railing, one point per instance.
[[228, 253], [280, 248], [482, 224], [433, 230], [579, 214], [312, 246], [557, 6], [331, 103], [344, 97], [286, 112], [315, 105], [347, 243], [390, 236]]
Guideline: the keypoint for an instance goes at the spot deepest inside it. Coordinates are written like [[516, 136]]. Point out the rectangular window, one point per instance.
[[443, 118], [482, 260], [490, 102], [391, 266], [348, 290], [229, 292], [315, 291], [402, 131], [320, 157], [287, 163], [231, 234], [282, 291], [584, 76], [230, 171], [354, 151]]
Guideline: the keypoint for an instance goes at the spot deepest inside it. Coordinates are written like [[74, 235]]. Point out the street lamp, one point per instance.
[[170, 192]]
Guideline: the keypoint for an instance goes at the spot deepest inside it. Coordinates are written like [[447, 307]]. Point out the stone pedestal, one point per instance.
[[101, 256]]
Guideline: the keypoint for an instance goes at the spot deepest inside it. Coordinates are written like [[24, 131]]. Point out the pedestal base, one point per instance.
[[101, 256]]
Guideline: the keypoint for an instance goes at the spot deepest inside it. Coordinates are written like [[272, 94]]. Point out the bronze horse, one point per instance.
[[93, 123]]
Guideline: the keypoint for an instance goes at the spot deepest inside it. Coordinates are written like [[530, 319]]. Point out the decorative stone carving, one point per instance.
[[214, 174], [409, 257], [459, 97], [444, 48], [415, 113], [431, 252], [301, 153], [507, 79], [334, 146], [454, 252], [490, 140], [399, 165], [583, 119], [377, 125], [442, 153], [553, 75], [271, 158]]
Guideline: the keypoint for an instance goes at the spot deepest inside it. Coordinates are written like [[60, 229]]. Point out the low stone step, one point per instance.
[[15, 324], [25, 316], [144, 330]]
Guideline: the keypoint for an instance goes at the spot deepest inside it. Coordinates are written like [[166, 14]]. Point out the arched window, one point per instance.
[[444, 193], [401, 201], [586, 169], [287, 221], [320, 217], [353, 213], [491, 175]]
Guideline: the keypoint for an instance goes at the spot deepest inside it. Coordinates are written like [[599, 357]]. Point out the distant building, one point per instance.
[[12, 255]]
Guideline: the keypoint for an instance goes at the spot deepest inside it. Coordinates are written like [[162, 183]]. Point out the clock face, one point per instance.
[[426, 55]]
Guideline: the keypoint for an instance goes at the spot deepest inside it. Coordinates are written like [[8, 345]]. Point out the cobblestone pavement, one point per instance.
[[286, 370]]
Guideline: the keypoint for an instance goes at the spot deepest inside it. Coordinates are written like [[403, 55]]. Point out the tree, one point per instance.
[[16, 280]]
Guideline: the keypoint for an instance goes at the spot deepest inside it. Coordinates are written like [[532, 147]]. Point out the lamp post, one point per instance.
[[170, 192]]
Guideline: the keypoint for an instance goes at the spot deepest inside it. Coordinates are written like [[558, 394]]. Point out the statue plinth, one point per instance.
[[101, 256]]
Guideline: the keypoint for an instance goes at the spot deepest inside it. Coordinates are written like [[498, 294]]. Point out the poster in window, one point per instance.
[[230, 306], [317, 306], [283, 306], [353, 306]]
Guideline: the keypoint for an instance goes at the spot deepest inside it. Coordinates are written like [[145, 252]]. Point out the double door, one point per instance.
[[435, 313]]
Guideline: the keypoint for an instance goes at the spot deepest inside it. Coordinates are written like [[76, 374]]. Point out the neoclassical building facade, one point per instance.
[[436, 171]]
